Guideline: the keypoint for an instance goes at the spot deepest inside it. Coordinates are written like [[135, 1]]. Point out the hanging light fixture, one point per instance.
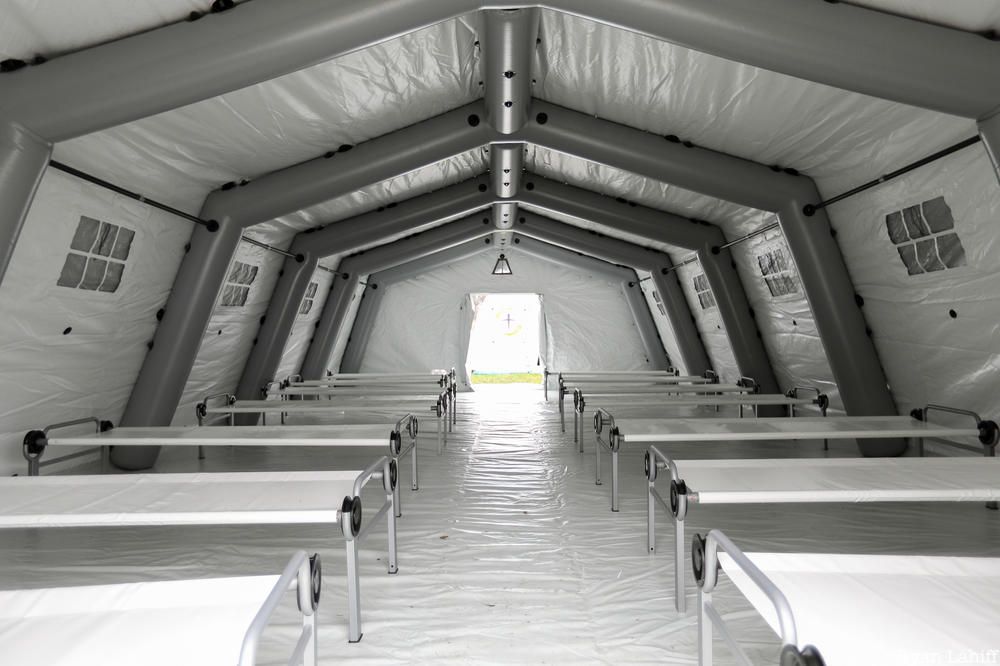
[[502, 267]]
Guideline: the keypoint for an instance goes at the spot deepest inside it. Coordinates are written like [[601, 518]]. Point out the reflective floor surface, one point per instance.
[[508, 553]]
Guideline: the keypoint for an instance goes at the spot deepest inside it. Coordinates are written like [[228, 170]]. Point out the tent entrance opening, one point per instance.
[[504, 342]]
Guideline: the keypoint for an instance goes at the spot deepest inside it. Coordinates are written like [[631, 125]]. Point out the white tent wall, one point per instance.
[[304, 326], [785, 320], [663, 327], [417, 324], [709, 323], [230, 334], [49, 376], [928, 355]]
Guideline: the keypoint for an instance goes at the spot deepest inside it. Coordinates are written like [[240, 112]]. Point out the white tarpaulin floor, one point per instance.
[[508, 553]]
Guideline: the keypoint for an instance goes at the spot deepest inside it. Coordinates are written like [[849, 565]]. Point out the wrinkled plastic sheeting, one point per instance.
[[379, 195], [839, 138], [230, 336], [619, 184], [69, 353], [508, 553], [418, 321], [179, 156], [663, 326], [304, 326], [928, 355]]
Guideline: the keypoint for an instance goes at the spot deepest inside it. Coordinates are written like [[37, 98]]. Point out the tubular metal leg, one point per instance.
[[704, 629], [576, 420], [353, 592], [415, 482], [680, 588], [310, 653], [597, 467], [201, 453], [651, 516], [397, 506], [580, 438], [440, 433], [391, 520], [562, 413], [614, 480]]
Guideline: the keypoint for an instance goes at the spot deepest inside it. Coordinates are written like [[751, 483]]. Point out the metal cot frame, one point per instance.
[[754, 400], [662, 386], [348, 517], [705, 562], [681, 497], [36, 442], [229, 406]]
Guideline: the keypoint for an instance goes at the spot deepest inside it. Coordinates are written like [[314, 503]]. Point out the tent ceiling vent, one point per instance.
[[502, 267]]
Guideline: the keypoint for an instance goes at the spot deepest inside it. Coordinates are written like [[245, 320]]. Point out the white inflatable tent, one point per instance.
[[280, 126], [197, 197]]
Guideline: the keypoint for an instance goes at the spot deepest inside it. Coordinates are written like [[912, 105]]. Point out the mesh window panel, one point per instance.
[[909, 256], [94, 275], [897, 230], [105, 239], [938, 215], [915, 225], [113, 277], [951, 251], [311, 289], [306, 306], [927, 256], [86, 234], [72, 271], [123, 244]]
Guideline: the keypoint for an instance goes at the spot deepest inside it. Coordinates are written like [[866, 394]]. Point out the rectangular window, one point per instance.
[[307, 301], [925, 237], [777, 273], [237, 287], [705, 296], [97, 257]]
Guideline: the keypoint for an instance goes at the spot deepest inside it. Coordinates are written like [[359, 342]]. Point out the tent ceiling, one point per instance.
[[433, 177], [837, 137], [181, 155], [735, 220]]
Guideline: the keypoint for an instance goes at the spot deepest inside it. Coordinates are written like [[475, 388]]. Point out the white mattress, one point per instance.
[[153, 624], [646, 401], [841, 479], [307, 435], [862, 610], [736, 429], [400, 406], [174, 499]]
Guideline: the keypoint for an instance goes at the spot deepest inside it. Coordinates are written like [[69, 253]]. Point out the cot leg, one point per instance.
[[614, 481], [415, 483], [397, 506], [353, 592], [680, 588], [576, 420], [201, 453], [562, 413], [391, 520], [263, 418], [597, 455], [581, 433], [310, 655], [920, 446], [704, 630], [651, 518], [440, 433]]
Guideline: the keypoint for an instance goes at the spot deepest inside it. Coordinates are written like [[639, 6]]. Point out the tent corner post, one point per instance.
[[23, 159]]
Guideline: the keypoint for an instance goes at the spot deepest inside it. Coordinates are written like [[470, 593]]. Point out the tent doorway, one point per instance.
[[505, 339]]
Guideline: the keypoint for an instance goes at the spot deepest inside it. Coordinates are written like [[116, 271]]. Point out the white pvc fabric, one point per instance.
[[196, 622], [420, 321], [929, 610]]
